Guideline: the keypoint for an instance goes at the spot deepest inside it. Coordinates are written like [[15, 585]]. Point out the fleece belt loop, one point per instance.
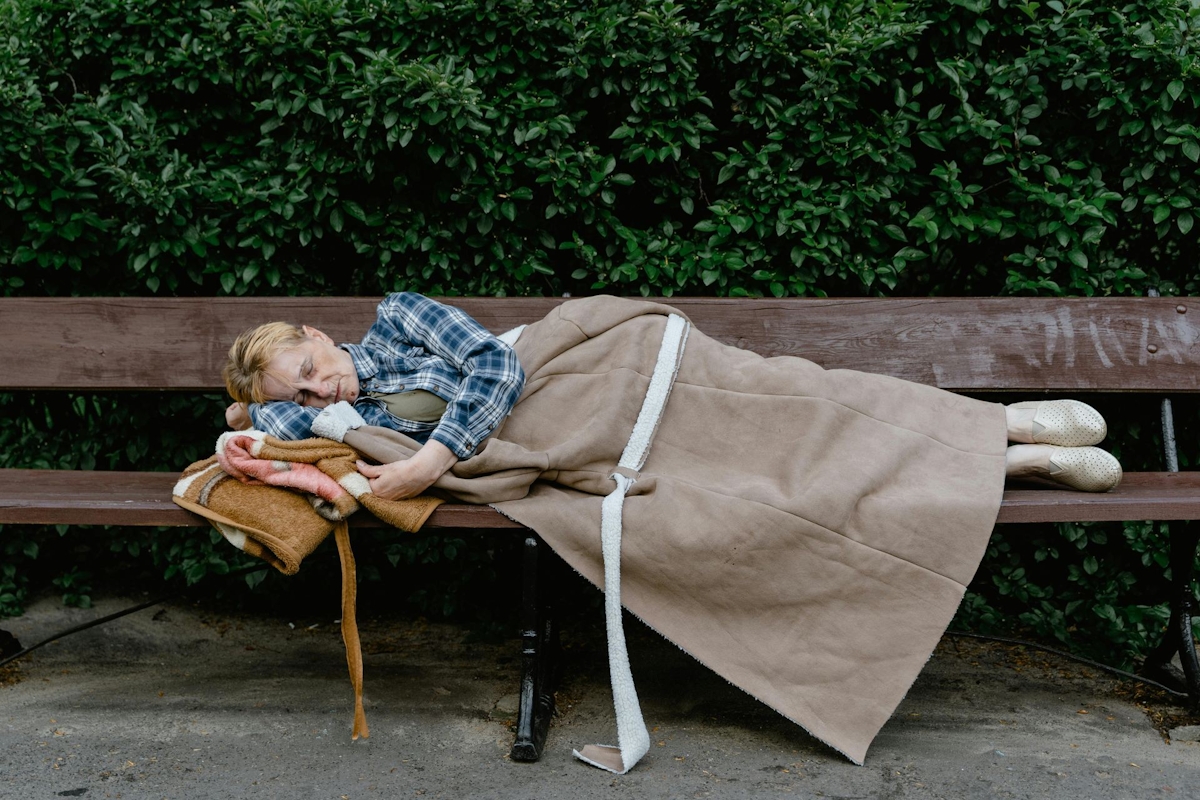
[[630, 474], [633, 740]]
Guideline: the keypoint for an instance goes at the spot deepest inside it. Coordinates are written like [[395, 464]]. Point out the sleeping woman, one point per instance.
[[430, 371]]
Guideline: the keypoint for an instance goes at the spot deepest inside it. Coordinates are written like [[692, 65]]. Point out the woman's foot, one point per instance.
[[1088, 469], [1064, 423]]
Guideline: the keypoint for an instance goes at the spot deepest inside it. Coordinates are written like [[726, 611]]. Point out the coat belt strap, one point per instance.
[[633, 740]]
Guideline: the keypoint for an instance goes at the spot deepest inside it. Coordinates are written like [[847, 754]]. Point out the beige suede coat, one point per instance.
[[805, 533]]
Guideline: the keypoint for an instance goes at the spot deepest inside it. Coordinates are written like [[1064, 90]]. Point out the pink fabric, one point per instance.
[[237, 460]]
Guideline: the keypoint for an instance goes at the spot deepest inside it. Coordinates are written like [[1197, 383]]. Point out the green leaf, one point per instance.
[[436, 151], [930, 140], [1191, 149], [1078, 258], [1175, 88], [1184, 221]]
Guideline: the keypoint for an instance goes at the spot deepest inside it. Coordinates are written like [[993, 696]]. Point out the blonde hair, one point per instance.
[[246, 366]]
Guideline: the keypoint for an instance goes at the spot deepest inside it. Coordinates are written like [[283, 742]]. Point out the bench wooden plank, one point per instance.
[[1141, 495], [962, 344], [144, 498], [76, 497]]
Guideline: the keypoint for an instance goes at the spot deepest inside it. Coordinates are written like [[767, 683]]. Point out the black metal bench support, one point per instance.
[[539, 651], [9, 645], [1179, 637]]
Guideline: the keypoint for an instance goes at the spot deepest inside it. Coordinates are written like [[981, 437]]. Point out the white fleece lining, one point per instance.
[[632, 737], [334, 421], [355, 483], [181, 486], [235, 536], [510, 337]]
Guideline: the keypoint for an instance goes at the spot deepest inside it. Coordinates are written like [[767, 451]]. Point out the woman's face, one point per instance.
[[314, 373]]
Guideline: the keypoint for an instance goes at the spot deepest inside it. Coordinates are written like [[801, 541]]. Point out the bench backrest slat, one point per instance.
[[964, 344]]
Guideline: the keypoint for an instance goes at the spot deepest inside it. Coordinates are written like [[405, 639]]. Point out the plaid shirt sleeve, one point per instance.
[[492, 378], [283, 420], [292, 421]]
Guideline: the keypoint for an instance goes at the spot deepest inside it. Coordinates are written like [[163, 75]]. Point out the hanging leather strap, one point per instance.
[[341, 534]]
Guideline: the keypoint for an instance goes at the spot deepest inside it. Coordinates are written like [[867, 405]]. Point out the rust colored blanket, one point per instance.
[[807, 534]]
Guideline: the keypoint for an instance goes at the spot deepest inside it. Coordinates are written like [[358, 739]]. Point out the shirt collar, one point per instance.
[[364, 365]]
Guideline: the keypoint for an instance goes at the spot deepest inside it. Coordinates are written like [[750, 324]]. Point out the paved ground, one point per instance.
[[185, 702]]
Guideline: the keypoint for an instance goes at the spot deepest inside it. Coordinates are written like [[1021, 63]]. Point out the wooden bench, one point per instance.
[[1033, 345]]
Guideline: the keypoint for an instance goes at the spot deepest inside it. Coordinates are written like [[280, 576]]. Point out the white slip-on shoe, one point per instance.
[[1088, 469], [1065, 423]]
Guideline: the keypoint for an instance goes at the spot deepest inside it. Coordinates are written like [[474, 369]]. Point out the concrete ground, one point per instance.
[[182, 701]]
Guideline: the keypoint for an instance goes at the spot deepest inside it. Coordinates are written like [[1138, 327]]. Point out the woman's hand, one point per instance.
[[237, 416], [403, 479]]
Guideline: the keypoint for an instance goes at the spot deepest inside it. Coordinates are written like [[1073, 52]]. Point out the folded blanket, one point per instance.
[[278, 500]]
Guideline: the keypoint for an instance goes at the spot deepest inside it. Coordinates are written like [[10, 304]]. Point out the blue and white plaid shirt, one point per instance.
[[418, 343]]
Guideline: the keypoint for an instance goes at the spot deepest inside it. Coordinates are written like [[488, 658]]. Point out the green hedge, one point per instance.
[[733, 148], [511, 147]]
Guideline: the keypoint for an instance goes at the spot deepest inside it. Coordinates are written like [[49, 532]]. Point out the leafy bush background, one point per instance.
[[731, 148]]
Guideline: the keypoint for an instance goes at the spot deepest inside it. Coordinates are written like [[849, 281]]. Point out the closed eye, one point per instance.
[[306, 368]]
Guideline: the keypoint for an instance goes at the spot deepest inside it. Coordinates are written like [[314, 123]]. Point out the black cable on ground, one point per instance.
[[117, 615], [1120, 673]]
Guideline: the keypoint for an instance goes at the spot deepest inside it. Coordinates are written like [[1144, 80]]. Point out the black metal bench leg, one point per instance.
[[9, 646], [539, 650], [1179, 637]]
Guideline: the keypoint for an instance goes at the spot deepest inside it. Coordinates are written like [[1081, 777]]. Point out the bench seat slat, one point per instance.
[[1141, 495], [72, 497], [144, 498]]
